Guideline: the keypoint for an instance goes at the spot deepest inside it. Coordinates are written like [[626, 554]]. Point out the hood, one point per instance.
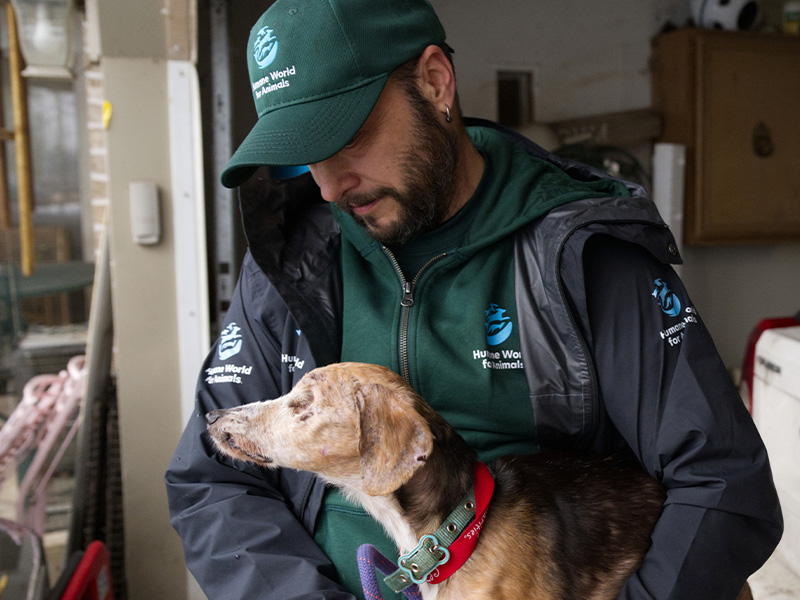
[[521, 182]]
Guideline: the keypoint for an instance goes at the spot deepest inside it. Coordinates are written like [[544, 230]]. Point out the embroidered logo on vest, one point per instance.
[[498, 325]]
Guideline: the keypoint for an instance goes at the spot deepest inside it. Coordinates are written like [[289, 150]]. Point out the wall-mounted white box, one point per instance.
[[145, 212]]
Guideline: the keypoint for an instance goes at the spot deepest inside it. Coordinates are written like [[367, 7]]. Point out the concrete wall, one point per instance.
[[146, 358]]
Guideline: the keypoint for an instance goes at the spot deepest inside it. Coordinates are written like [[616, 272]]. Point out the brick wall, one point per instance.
[[97, 117]]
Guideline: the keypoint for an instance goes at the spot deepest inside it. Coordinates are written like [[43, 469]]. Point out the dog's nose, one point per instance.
[[212, 416]]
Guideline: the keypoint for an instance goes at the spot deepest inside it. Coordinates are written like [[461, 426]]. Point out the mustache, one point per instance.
[[355, 200]]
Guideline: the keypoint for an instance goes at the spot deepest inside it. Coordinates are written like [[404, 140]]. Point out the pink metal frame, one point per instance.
[[42, 427]]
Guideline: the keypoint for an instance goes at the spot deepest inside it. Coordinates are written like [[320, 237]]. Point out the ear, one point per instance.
[[437, 79], [395, 440]]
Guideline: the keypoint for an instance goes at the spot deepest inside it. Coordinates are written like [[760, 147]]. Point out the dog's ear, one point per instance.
[[395, 440]]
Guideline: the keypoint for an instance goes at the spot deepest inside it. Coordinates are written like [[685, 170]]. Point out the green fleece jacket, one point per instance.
[[440, 310]]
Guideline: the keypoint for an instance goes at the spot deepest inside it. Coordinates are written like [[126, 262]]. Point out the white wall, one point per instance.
[[590, 58], [586, 57]]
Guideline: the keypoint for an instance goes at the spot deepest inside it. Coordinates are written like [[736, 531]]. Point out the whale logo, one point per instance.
[[265, 47], [667, 299], [230, 342], [498, 325]]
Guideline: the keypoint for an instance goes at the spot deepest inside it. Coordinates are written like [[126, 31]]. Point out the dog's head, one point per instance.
[[353, 424]]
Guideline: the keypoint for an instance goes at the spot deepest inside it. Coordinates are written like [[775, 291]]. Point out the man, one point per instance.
[[529, 299]]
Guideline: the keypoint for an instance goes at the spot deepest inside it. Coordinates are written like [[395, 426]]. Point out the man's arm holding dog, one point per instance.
[[667, 393], [241, 536]]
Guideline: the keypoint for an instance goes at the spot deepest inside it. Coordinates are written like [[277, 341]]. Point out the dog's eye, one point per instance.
[[307, 414]]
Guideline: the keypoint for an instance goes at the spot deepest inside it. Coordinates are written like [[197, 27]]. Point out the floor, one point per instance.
[[775, 581]]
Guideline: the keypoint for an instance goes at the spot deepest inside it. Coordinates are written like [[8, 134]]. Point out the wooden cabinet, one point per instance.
[[733, 99]]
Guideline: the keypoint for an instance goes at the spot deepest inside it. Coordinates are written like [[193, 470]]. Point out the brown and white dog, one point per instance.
[[559, 526]]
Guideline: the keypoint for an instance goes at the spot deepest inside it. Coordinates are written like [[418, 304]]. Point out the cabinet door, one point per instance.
[[747, 159]]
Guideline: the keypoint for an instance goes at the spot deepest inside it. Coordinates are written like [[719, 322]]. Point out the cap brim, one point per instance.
[[302, 134]]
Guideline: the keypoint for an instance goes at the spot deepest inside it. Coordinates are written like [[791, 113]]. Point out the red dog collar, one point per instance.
[[439, 555], [461, 549]]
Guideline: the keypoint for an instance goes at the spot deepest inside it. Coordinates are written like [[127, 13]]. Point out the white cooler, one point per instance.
[[776, 412]]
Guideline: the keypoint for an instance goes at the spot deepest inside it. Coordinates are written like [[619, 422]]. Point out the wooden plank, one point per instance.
[[5, 198], [22, 148]]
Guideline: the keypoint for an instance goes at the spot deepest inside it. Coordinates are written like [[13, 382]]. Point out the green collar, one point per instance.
[[439, 555]]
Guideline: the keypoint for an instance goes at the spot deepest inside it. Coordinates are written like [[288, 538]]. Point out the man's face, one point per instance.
[[397, 177]]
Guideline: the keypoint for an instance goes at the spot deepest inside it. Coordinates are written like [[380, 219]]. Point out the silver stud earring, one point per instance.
[[447, 117]]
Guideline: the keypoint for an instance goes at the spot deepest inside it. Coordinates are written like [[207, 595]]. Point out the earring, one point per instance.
[[447, 117]]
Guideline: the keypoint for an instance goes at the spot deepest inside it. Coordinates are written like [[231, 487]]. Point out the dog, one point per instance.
[[558, 526]]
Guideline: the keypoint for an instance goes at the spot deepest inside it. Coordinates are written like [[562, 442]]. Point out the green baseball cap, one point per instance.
[[317, 67]]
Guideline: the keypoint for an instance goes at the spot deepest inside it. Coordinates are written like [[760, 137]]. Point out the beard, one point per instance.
[[429, 167]]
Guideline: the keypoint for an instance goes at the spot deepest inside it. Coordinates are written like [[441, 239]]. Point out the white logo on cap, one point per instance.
[[265, 47]]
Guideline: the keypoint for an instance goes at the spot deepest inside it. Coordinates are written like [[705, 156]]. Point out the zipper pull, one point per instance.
[[408, 294]]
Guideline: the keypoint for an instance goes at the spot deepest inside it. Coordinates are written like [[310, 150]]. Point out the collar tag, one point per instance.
[[422, 560]]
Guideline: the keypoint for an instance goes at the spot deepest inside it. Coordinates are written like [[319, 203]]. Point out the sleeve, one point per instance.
[[241, 538], [668, 397]]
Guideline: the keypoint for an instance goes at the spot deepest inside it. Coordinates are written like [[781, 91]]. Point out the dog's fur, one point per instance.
[[559, 526]]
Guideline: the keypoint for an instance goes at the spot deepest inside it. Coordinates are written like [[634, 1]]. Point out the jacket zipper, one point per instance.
[[407, 301]]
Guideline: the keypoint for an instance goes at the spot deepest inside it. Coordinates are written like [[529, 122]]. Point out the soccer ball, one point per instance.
[[726, 14]]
